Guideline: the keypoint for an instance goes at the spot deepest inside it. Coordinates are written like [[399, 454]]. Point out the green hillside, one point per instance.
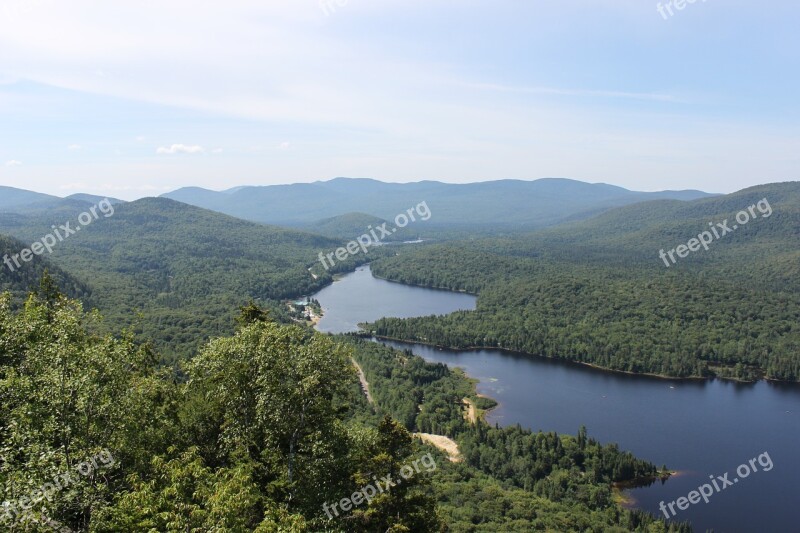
[[597, 291], [20, 281], [271, 422], [184, 268], [347, 226], [269, 433]]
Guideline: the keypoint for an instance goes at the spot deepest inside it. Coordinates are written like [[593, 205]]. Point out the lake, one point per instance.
[[700, 428], [359, 297]]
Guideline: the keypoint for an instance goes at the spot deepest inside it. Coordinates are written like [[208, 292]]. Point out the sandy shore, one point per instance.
[[445, 444]]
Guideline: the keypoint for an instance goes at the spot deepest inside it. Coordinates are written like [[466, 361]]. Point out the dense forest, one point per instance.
[[262, 433], [511, 479], [597, 292], [175, 273], [255, 423], [267, 426], [18, 282]]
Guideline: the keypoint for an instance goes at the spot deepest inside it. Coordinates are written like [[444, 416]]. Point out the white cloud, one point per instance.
[[51, 43], [76, 186], [308, 73], [13, 163], [108, 187], [146, 187], [6, 79], [74, 147], [402, 110], [179, 149], [657, 97], [140, 138], [217, 151]]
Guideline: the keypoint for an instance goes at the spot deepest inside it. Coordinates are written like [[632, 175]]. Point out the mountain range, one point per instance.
[[538, 203], [599, 291], [186, 267]]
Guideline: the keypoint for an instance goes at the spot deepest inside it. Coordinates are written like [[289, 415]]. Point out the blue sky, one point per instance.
[[133, 99]]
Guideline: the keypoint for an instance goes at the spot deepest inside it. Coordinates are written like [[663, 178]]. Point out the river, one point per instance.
[[700, 428]]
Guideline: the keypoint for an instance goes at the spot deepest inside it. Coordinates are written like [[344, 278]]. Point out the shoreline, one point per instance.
[[591, 365], [619, 489], [582, 363], [526, 354], [445, 289], [594, 366]]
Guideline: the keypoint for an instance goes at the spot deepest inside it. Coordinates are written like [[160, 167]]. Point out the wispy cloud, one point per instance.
[[74, 186], [517, 89], [108, 187], [5, 79], [179, 149], [146, 187], [657, 97], [13, 163], [74, 147]]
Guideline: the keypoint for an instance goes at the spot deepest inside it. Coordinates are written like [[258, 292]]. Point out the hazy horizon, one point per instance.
[[129, 197], [129, 99]]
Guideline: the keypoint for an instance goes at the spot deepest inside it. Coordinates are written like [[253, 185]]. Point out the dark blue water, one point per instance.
[[700, 428]]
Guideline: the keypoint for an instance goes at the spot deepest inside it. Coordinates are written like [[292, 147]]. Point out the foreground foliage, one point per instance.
[[270, 425]]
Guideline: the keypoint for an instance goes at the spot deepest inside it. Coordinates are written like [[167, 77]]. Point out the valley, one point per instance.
[[641, 414], [512, 348], [345, 266]]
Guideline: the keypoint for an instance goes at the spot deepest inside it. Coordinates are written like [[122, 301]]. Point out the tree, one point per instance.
[[252, 313], [402, 506], [184, 494], [68, 395], [276, 393]]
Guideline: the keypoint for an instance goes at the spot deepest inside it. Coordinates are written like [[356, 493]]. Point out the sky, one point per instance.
[[133, 99]]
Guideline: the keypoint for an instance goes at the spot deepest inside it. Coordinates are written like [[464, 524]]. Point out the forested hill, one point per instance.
[[768, 243], [187, 269], [20, 281], [347, 227], [270, 432], [597, 291], [507, 203], [22, 201]]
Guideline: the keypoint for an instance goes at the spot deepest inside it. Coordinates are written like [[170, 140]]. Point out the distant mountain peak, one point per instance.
[[532, 204]]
